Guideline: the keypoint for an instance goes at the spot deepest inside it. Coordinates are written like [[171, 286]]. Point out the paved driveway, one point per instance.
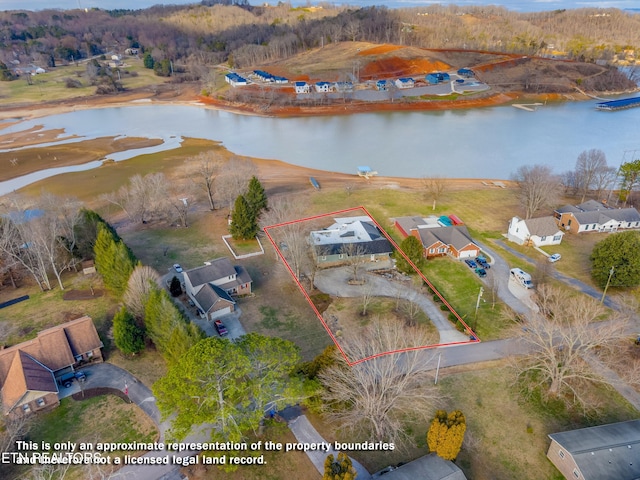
[[334, 282]]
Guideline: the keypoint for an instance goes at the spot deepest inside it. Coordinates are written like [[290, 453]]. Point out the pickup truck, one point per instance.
[[222, 330]]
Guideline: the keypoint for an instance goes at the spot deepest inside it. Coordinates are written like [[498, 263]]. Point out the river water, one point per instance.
[[476, 143]]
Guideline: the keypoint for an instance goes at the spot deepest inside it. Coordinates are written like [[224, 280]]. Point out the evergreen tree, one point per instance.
[[114, 261], [620, 252], [244, 225], [339, 468], [256, 196], [175, 288], [128, 337], [167, 328], [148, 61], [412, 247]]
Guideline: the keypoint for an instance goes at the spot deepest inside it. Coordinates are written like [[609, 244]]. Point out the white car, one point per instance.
[[555, 257], [177, 267]]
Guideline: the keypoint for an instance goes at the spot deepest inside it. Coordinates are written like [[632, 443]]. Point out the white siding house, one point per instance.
[[534, 231]]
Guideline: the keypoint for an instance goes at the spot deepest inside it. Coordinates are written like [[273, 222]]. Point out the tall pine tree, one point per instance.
[[114, 261], [244, 224], [128, 337], [256, 197]]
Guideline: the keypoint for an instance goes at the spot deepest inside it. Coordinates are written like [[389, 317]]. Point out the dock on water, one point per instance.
[[529, 107], [366, 172], [620, 104]]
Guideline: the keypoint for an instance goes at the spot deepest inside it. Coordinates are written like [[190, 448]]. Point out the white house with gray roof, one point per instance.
[[347, 237], [428, 467], [213, 285], [605, 452], [534, 231], [593, 216]]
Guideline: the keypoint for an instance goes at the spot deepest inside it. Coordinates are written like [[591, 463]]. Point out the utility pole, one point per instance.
[[475, 316], [607, 285], [437, 369]]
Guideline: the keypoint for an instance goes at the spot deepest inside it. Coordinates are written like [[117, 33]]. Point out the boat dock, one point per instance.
[[366, 172], [620, 104], [529, 107]]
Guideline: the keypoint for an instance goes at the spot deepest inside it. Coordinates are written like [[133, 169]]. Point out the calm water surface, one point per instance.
[[478, 143]]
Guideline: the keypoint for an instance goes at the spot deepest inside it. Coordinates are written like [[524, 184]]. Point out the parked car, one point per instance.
[[177, 267], [81, 376], [471, 263], [483, 262], [555, 257], [222, 330], [481, 272]]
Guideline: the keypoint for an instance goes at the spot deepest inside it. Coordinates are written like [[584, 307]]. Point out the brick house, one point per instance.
[[29, 371], [593, 216], [437, 240]]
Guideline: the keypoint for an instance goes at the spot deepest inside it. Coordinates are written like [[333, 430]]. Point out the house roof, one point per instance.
[[357, 233], [605, 452], [23, 367], [542, 226], [458, 236], [409, 223], [27, 374], [209, 295], [429, 467], [215, 270]]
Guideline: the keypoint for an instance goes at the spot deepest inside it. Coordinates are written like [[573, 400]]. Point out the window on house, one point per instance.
[[341, 256], [576, 473], [323, 257], [89, 354], [557, 238], [26, 408], [629, 225], [442, 250], [78, 358], [560, 453], [432, 250], [569, 223], [542, 239], [40, 402]]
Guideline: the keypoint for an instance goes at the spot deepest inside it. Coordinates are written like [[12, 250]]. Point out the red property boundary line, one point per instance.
[[361, 209]]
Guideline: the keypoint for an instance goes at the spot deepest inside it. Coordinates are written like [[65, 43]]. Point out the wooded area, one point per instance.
[[242, 35]]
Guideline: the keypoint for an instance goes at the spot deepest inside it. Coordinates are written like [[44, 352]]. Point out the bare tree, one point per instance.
[[51, 471], [603, 180], [589, 162], [355, 257], [142, 281], [292, 238], [142, 197], [374, 398], [234, 180], [434, 187], [411, 309], [558, 337], [539, 187], [367, 298], [203, 170]]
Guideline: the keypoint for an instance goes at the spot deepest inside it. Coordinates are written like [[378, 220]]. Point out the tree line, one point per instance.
[[244, 35]]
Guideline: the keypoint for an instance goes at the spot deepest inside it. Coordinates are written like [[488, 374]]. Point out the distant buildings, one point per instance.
[[593, 216], [235, 80], [440, 236], [405, 82], [437, 77]]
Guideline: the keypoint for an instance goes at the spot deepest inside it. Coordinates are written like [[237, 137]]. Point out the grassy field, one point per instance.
[[100, 419], [51, 85], [22, 321]]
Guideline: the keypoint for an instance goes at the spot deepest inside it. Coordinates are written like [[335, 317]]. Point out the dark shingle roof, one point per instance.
[[382, 245], [218, 268], [458, 236], [429, 467], [209, 295], [605, 452]]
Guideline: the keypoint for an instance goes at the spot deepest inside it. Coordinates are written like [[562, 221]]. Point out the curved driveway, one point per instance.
[[334, 282]]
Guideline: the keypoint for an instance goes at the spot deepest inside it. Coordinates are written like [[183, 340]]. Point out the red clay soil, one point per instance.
[[360, 107], [398, 67], [380, 49]]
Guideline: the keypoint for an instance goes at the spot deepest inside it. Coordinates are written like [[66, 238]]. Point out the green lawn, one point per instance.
[[24, 320], [490, 403], [52, 84], [460, 286]]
